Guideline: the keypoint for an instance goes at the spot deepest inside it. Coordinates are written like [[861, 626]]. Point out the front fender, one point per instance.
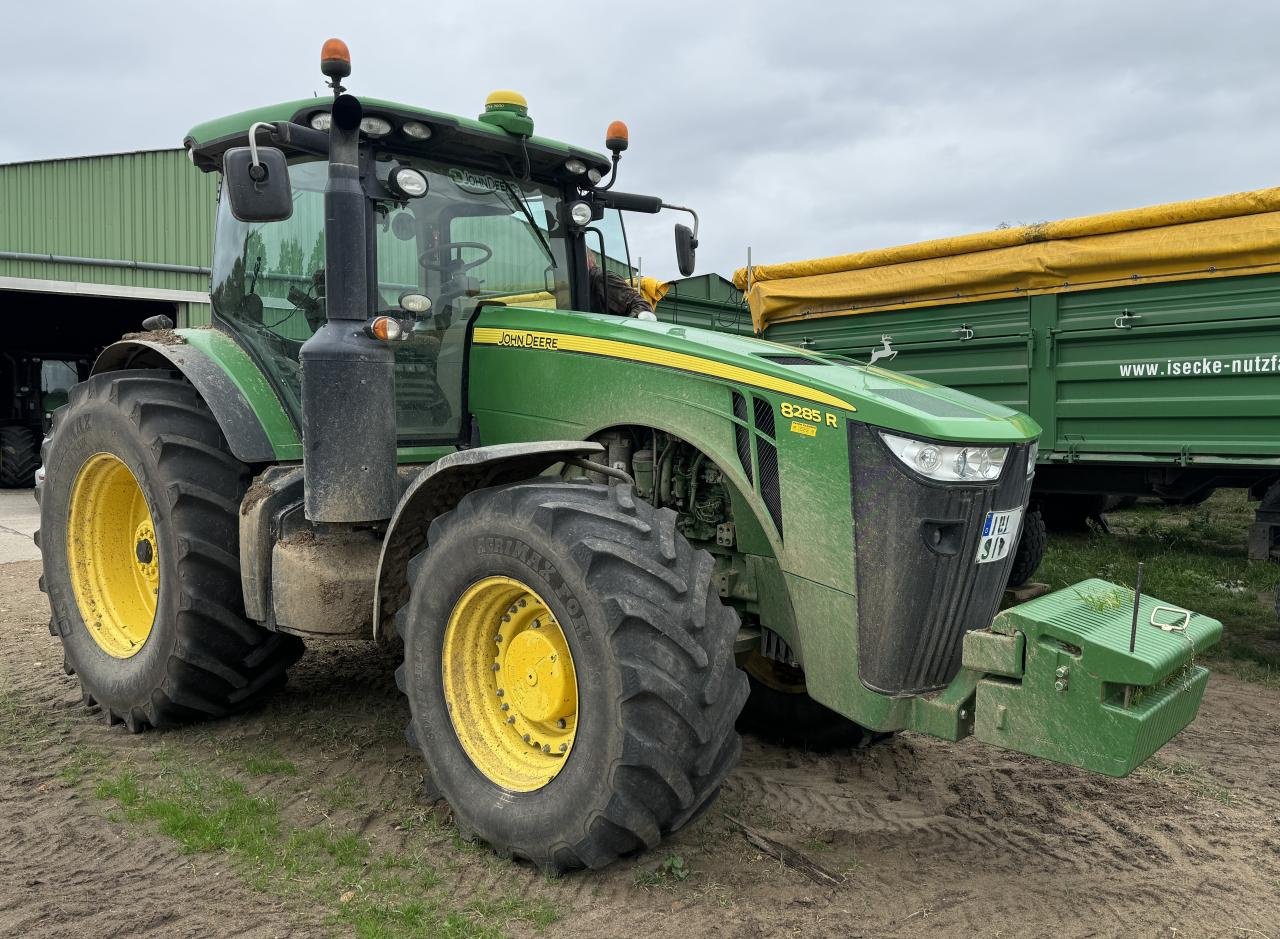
[[242, 400], [439, 488]]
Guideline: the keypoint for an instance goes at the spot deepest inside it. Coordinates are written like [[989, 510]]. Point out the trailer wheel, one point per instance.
[[19, 457], [139, 534], [1070, 512], [1030, 551], [781, 711], [569, 669]]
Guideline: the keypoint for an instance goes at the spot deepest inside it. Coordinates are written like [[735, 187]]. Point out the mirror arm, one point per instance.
[[298, 137], [683, 208], [253, 146]]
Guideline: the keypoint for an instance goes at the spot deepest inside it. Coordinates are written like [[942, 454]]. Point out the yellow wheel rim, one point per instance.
[[113, 555], [509, 684]]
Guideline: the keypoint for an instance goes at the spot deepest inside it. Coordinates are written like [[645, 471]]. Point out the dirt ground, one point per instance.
[[928, 839]]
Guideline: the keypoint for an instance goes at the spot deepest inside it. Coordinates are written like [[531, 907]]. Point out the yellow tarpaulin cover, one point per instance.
[[651, 288], [1225, 235]]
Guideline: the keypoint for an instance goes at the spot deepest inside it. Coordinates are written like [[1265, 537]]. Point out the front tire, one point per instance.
[[1030, 551], [140, 539], [569, 669], [781, 711]]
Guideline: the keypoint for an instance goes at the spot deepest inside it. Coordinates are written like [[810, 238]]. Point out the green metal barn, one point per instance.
[[89, 247]]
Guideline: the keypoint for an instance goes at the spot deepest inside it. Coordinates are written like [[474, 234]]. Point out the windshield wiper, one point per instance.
[[524, 210]]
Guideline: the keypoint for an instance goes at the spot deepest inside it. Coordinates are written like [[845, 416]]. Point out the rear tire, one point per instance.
[[656, 693], [198, 657], [1030, 551], [19, 457]]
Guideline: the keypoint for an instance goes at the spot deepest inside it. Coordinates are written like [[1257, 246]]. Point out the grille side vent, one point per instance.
[[769, 488], [764, 415], [742, 436]]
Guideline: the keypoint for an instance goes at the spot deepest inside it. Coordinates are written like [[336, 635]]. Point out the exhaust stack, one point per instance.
[[348, 380]]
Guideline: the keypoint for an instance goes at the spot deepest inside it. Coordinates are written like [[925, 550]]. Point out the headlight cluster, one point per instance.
[[948, 462], [374, 126]]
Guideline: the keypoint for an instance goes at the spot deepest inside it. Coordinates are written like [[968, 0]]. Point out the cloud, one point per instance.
[[801, 129]]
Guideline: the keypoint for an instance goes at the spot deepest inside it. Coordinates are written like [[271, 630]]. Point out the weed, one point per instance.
[[1106, 601], [670, 872]]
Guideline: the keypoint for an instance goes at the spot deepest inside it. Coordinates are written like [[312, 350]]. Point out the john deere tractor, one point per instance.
[[593, 535]]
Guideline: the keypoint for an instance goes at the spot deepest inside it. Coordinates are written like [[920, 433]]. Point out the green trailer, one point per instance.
[[1145, 343]]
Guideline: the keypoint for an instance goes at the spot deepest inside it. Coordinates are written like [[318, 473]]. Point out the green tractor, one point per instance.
[[594, 535], [32, 386]]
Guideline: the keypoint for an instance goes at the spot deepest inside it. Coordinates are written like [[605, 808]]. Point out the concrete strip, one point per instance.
[[19, 519]]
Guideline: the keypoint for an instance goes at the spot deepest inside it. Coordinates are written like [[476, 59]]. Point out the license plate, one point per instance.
[[999, 535]]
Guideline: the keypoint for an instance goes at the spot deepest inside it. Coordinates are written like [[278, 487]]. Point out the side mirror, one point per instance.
[[257, 184], [686, 247]]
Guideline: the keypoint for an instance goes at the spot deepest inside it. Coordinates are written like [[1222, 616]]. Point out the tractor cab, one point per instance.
[[459, 215]]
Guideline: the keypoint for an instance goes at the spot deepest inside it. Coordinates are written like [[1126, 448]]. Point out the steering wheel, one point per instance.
[[433, 259]]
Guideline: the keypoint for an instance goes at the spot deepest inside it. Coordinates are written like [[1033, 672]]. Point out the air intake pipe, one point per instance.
[[348, 379]]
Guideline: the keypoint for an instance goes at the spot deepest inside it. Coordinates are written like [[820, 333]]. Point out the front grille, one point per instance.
[[919, 588]]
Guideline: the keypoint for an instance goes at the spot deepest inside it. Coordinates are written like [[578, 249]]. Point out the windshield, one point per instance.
[[474, 237]]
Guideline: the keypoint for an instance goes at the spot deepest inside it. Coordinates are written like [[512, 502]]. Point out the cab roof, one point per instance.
[[453, 138]]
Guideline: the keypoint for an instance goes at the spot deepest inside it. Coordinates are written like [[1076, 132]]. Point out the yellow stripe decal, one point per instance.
[[564, 342]]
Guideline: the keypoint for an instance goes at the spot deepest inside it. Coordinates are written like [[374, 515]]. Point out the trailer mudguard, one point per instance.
[[242, 401], [439, 488]]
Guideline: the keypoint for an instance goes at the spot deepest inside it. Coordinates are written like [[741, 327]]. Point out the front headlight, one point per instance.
[[1031, 458], [945, 462]]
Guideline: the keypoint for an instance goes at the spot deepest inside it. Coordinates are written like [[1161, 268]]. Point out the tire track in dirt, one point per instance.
[[930, 839]]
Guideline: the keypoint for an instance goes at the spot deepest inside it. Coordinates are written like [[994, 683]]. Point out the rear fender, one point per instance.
[[242, 401], [439, 488]]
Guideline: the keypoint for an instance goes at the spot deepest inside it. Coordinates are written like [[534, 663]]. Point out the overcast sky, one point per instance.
[[800, 129]]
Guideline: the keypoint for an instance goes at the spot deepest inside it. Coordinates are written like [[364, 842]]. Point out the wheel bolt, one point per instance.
[[564, 747], [511, 720], [526, 738], [546, 748], [496, 667], [498, 638], [505, 706], [501, 692], [523, 603], [561, 723]]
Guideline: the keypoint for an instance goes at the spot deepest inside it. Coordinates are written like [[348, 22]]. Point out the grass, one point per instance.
[[378, 896], [271, 764], [1194, 558], [1185, 776]]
